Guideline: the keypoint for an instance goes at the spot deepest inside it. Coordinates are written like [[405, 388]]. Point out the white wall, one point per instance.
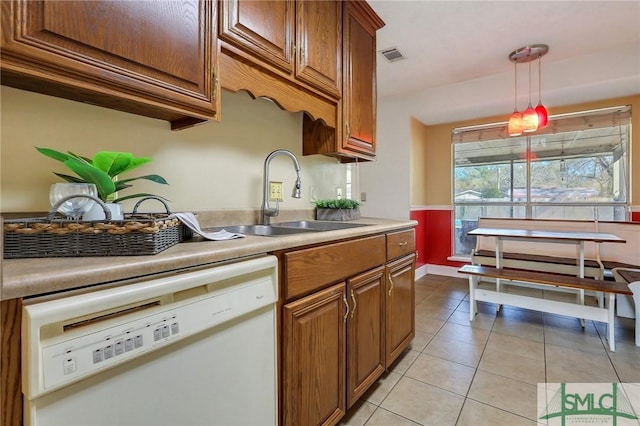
[[210, 166], [386, 181]]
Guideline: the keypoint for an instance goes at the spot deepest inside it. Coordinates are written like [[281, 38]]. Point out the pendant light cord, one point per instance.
[[539, 80], [529, 84], [515, 103]]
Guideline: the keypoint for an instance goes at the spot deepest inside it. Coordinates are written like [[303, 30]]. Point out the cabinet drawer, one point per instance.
[[401, 243], [311, 269]]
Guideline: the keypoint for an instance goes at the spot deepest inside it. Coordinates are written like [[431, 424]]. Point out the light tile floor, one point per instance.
[[485, 372]]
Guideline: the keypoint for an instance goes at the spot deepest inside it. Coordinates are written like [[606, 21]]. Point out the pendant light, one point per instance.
[[531, 119], [515, 121], [543, 115]]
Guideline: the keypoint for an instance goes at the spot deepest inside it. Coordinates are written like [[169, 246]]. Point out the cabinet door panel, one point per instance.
[[263, 28], [365, 331], [319, 44], [151, 58], [99, 25], [314, 358], [359, 70], [400, 306]]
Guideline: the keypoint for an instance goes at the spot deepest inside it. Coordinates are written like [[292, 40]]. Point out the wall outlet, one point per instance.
[[275, 191], [339, 193], [363, 196]]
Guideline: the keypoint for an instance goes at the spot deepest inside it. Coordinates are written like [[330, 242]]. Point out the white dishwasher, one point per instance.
[[196, 347]]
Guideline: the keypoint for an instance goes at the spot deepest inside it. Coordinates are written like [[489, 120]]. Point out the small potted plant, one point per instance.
[[104, 170], [340, 209]]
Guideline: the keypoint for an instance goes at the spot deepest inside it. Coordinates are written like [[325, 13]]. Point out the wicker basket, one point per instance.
[[51, 236]]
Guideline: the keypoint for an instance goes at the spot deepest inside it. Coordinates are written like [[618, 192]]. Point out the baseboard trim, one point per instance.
[[447, 271]]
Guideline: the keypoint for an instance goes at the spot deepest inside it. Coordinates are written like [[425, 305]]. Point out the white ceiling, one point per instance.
[[457, 65]]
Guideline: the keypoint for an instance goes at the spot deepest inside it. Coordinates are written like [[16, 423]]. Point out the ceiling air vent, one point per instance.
[[392, 54]]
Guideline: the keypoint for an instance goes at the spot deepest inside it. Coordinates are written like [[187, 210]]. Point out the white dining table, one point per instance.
[[565, 237]]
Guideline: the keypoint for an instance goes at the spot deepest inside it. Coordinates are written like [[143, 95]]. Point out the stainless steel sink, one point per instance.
[[264, 230], [289, 228], [317, 225]]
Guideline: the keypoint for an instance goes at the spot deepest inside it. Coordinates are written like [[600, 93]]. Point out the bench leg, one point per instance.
[[610, 326], [473, 307], [580, 301], [498, 289]]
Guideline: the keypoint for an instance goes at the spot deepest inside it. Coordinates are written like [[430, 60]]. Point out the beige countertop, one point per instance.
[[29, 277]]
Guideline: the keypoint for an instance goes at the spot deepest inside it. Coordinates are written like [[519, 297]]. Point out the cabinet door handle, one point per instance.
[[215, 84], [403, 243], [391, 287], [353, 311], [344, 299]]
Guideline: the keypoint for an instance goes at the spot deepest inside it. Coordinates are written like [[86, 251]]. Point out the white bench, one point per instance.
[[631, 277], [602, 314]]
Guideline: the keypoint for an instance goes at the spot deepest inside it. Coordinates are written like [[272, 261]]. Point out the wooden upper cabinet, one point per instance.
[[354, 136], [155, 59], [263, 29], [300, 40], [359, 84], [319, 44]]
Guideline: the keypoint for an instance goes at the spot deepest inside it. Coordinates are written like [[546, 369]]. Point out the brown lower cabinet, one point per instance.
[[400, 307], [314, 353], [338, 340]]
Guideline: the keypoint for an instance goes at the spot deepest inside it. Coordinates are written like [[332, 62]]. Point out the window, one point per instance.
[[575, 168]]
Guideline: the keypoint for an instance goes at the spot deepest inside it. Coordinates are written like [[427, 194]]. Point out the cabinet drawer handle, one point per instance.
[[344, 299], [353, 311], [403, 243], [391, 287]]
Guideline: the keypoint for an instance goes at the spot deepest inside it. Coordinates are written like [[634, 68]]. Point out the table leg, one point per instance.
[[580, 255], [498, 266], [473, 307], [581, 259]]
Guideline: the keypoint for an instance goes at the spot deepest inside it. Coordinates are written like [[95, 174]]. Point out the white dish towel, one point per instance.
[[190, 220]]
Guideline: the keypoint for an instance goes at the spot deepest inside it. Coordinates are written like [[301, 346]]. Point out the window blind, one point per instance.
[[571, 122]]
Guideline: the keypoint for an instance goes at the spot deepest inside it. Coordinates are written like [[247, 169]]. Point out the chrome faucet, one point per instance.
[[267, 211]]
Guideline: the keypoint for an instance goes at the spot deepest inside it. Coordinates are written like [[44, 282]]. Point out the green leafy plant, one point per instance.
[[337, 204], [104, 170]]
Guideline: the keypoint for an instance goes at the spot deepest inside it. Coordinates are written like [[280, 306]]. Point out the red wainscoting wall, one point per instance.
[[421, 243], [433, 236]]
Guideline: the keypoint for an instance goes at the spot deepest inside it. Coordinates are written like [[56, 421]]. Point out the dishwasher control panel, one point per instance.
[[71, 338], [87, 353]]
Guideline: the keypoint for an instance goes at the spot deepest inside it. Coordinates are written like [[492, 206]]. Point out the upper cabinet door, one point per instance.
[[151, 58], [359, 70], [319, 44], [261, 28]]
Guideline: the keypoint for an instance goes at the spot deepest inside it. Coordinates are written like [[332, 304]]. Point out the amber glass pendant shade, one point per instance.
[[515, 124], [529, 120]]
